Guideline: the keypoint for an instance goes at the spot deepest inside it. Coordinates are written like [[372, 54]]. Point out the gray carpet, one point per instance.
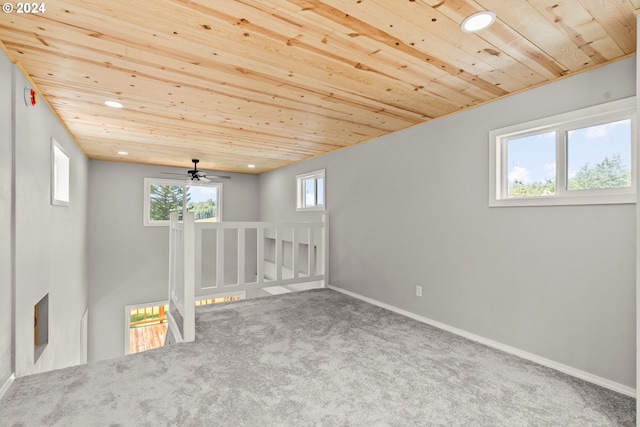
[[315, 358]]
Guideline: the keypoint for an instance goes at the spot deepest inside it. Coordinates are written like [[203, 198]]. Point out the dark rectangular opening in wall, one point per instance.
[[40, 327]]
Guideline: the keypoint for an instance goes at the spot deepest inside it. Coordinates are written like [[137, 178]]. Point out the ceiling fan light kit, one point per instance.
[[195, 175]]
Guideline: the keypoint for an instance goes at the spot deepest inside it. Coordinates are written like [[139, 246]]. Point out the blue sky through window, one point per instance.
[[310, 192], [589, 146], [533, 159], [201, 193]]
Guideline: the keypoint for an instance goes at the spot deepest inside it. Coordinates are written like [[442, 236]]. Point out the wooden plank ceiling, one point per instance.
[[274, 82]]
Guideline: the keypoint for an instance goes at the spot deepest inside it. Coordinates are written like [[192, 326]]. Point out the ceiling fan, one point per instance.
[[198, 175]]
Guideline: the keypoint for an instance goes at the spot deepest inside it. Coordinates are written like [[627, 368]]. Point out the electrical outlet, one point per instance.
[[418, 291]]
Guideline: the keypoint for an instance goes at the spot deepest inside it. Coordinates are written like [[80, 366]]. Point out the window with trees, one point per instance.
[[310, 191], [163, 196], [582, 157]]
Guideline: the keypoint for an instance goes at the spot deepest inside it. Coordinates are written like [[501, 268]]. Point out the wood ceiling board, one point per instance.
[[265, 158], [365, 29], [415, 26], [508, 41], [617, 18], [181, 158], [506, 36], [531, 24], [289, 128], [304, 144], [578, 24], [297, 60], [173, 129], [138, 80], [432, 31], [292, 79]]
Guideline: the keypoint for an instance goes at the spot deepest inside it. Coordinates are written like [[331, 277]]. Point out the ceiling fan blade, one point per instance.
[[172, 173], [195, 175]]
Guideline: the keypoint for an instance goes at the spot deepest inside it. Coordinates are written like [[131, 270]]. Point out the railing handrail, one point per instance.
[[186, 235], [258, 224]]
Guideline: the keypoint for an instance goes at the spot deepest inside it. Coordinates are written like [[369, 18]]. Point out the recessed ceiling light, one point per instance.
[[124, 153], [478, 21], [251, 166], [113, 104]]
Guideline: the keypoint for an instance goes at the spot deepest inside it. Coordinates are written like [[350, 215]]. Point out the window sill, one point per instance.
[[155, 223], [311, 209], [609, 199]]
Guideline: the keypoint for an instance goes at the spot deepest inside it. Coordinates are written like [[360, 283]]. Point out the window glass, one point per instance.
[[531, 165], [59, 175], [310, 188], [309, 192], [599, 156], [580, 157], [320, 189], [203, 202], [164, 199]]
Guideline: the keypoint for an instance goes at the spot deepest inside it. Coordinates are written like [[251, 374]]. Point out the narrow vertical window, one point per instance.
[[59, 175], [320, 190], [310, 192]]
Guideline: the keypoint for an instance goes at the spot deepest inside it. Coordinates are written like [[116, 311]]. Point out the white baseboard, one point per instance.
[[7, 384], [603, 382]]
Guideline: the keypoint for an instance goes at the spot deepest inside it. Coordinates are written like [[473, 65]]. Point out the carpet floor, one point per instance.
[[314, 358]]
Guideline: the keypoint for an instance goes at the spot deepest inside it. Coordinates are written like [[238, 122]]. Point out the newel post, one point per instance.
[[189, 277], [325, 248]]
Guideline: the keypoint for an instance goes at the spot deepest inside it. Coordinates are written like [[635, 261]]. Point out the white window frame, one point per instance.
[[60, 175], [148, 182], [600, 114], [317, 174]]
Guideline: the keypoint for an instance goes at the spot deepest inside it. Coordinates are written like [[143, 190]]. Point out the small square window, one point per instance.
[[310, 190]]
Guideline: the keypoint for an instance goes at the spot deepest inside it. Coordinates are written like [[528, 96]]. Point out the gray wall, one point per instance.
[[412, 209], [127, 261], [6, 207], [50, 241]]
